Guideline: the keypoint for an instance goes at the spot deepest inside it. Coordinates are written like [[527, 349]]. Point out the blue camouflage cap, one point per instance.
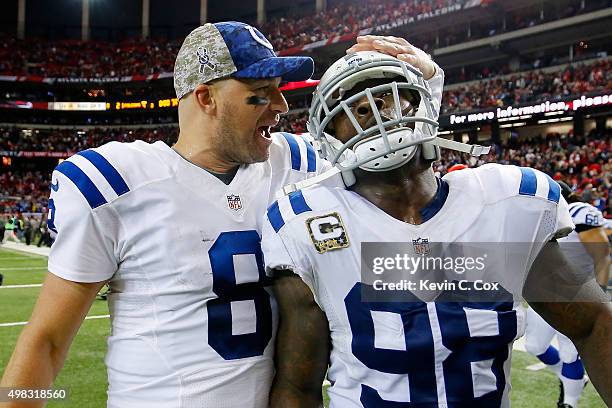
[[232, 49]]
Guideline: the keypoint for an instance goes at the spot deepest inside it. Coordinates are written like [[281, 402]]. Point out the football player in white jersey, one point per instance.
[[587, 247], [593, 254], [374, 117], [176, 234]]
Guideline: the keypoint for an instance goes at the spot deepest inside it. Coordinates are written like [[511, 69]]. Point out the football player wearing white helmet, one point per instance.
[[374, 116], [588, 248]]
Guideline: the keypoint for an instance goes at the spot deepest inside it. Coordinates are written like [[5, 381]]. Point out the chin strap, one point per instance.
[[349, 178], [290, 188], [474, 150]]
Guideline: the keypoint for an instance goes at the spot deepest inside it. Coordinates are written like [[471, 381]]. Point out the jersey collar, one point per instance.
[[435, 205]]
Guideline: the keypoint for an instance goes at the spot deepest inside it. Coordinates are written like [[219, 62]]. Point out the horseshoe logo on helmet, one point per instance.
[[261, 40]]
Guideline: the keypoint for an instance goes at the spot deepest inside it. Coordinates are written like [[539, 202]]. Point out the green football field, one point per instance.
[[85, 376]]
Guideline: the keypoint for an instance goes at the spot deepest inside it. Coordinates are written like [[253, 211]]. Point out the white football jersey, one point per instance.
[[417, 353], [192, 320], [583, 214]]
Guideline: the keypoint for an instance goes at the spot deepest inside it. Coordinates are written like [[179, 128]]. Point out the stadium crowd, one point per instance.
[[346, 18], [97, 59], [530, 86], [72, 140], [23, 191], [85, 59], [584, 162], [23, 207], [511, 89]]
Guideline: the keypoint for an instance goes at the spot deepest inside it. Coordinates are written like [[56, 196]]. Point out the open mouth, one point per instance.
[[264, 131]]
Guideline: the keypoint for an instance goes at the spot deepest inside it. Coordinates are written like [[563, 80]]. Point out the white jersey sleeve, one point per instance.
[[280, 251], [535, 190], [86, 235], [299, 155]]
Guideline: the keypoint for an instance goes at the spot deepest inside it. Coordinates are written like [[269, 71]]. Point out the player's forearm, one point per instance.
[[596, 352], [285, 395], [34, 364], [302, 345], [602, 271]]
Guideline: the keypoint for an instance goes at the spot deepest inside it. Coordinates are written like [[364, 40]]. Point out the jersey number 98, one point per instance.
[[445, 363]]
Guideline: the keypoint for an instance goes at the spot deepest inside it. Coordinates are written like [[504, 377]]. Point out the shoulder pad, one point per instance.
[[295, 150], [499, 182], [312, 200], [586, 214], [105, 173]]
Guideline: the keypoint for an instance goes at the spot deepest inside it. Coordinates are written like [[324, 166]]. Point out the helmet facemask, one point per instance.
[[387, 143], [391, 139]]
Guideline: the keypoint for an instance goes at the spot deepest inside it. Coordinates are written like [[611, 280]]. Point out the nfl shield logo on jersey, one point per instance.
[[234, 202], [421, 246]]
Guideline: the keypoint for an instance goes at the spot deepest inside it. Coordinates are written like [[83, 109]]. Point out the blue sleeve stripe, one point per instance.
[[577, 209], [107, 170], [298, 203], [89, 190], [296, 156], [529, 184], [312, 157], [275, 217], [554, 189]]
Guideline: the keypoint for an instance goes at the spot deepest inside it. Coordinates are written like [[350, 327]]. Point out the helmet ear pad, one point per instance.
[[431, 152]]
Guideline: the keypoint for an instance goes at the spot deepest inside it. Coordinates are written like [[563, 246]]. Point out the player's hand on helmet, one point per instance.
[[399, 48]]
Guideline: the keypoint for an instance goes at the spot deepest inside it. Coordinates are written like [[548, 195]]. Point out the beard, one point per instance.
[[236, 147]]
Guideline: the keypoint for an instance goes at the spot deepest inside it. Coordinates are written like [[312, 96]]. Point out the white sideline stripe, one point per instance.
[[24, 250], [24, 268], [24, 323], [32, 285], [19, 258], [536, 367]]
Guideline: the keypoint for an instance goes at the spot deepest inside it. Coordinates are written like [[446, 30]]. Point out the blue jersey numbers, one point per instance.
[[453, 353], [221, 334]]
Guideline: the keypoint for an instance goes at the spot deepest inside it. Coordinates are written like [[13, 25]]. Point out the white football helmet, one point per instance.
[[391, 141]]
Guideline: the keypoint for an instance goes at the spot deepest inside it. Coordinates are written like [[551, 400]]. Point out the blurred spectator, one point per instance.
[[23, 192], [293, 123], [9, 231], [582, 162], [45, 235]]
